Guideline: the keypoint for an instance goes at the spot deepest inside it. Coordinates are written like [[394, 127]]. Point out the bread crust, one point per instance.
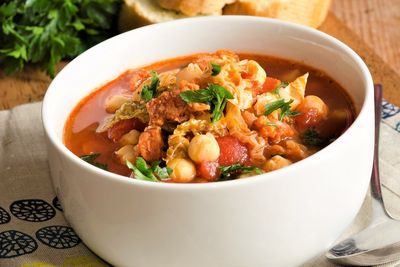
[[307, 12], [196, 7], [137, 13], [129, 18]]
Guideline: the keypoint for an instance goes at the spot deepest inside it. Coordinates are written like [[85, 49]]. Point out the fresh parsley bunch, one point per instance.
[[46, 31]]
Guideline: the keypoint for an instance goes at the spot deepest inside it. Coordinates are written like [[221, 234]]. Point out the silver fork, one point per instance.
[[380, 242]]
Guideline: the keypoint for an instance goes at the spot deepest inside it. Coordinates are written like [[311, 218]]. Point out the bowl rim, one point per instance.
[[276, 174]]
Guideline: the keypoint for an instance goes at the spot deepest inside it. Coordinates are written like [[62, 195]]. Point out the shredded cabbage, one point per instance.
[[127, 111]]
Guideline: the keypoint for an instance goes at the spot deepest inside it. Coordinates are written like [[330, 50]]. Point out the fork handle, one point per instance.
[[375, 180]]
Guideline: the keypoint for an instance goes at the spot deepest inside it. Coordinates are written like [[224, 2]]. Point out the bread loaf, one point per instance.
[[196, 7], [136, 13], [307, 12]]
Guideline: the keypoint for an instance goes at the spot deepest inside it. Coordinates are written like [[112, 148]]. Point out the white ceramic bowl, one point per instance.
[[281, 218]]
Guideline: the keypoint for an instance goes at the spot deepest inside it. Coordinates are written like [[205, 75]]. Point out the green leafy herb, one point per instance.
[[283, 106], [142, 171], [161, 172], [44, 32], [232, 171], [278, 87], [214, 95], [216, 69], [312, 138], [197, 96], [91, 158], [150, 91]]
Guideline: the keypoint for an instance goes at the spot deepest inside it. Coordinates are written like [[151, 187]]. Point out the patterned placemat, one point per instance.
[[33, 230]]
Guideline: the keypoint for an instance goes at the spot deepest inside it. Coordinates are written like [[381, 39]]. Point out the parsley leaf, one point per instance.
[[91, 160], [232, 171], [142, 171], [216, 69], [197, 96], [312, 138], [45, 32], [149, 90], [283, 106], [161, 172], [214, 95]]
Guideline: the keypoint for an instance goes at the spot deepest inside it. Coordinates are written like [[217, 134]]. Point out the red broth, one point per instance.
[[81, 138]]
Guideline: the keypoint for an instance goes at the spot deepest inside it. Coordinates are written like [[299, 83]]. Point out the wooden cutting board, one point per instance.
[[31, 84]]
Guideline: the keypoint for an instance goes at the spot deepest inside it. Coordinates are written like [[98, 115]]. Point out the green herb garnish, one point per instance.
[[232, 171], [149, 90], [161, 172], [44, 32], [312, 138], [142, 171], [216, 69], [214, 95], [283, 106], [91, 160]]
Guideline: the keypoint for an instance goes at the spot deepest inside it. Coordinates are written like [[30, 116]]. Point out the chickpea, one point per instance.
[[127, 152], [314, 102], [203, 147], [183, 170], [276, 162], [114, 102], [131, 138]]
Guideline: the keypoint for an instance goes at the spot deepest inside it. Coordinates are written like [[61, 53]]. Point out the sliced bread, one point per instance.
[[307, 12], [196, 7], [136, 13]]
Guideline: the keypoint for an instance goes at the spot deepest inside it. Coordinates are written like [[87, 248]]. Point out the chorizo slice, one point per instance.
[[125, 126], [151, 144], [168, 107]]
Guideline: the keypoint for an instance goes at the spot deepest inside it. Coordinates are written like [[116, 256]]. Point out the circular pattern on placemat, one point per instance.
[[32, 210], [4, 216], [58, 236], [57, 204], [14, 243]]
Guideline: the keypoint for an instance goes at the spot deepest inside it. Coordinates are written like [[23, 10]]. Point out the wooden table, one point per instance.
[[377, 22], [370, 27]]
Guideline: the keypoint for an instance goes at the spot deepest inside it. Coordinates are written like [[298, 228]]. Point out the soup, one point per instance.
[[208, 117]]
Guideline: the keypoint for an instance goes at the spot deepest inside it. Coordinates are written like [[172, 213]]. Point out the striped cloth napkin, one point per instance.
[[33, 230]]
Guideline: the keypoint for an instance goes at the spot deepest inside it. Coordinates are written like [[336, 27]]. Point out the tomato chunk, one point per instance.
[[246, 75], [269, 85], [307, 118], [123, 127], [137, 77], [208, 170], [232, 151]]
